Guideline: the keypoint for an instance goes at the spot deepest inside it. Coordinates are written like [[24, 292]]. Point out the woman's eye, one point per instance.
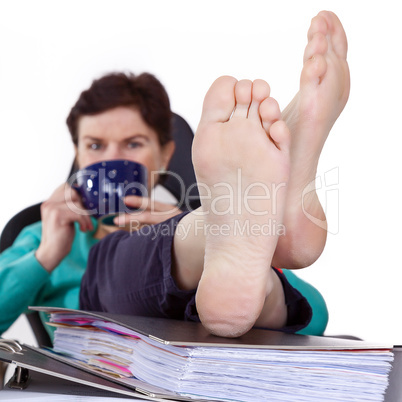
[[95, 146], [134, 144]]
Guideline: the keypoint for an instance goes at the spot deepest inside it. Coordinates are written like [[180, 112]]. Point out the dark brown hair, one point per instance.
[[143, 92]]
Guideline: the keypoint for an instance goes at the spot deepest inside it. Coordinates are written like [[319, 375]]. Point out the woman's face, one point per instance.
[[121, 133]]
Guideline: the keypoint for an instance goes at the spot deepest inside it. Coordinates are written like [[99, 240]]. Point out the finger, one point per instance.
[[84, 221], [146, 203], [145, 218], [65, 194], [135, 201], [71, 194], [60, 213]]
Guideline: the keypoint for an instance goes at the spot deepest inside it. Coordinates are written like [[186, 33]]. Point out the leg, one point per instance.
[[324, 90], [241, 162]]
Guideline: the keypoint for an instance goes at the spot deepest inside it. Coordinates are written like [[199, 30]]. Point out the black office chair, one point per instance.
[[180, 182]]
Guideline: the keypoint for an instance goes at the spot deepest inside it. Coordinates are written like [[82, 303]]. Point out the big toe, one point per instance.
[[219, 101], [338, 38], [328, 24]]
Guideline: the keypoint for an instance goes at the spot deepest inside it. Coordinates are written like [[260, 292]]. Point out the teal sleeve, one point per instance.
[[21, 276], [319, 318], [24, 282]]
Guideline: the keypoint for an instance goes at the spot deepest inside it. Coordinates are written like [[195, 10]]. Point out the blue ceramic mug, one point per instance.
[[103, 186]]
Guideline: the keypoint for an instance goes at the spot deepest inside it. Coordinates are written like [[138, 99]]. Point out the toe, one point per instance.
[[318, 44], [243, 93], [313, 71], [269, 113], [318, 25], [219, 101], [280, 135], [338, 38], [260, 91]]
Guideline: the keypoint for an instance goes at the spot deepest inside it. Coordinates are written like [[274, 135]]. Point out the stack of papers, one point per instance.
[[306, 369]]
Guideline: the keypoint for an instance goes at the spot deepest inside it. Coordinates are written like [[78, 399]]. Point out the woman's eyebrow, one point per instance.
[[90, 137], [136, 136]]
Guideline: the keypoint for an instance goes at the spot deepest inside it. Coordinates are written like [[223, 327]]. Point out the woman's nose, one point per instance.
[[113, 152]]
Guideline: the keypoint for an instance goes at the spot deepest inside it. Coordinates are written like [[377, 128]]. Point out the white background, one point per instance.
[[51, 50]]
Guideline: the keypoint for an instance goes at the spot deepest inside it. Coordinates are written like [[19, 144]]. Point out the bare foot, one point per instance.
[[241, 160], [324, 90]]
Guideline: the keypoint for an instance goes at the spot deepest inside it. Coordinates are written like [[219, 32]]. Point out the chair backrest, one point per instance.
[[180, 181], [181, 166], [14, 226]]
